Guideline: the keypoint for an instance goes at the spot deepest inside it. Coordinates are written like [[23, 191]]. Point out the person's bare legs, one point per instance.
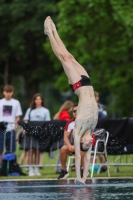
[[88, 138], [82, 159], [33, 157], [87, 158], [36, 157], [22, 157], [101, 158], [62, 55], [78, 132], [30, 156], [41, 158], [36, 162], [77, 153], [61, 45], [63, 156]]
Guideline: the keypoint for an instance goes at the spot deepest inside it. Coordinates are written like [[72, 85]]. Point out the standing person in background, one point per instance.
[[65, 109], [36, 112], [63, 114], [10, 111], [102, 113]]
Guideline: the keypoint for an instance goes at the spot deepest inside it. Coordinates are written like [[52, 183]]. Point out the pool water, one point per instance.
[[96, 189]]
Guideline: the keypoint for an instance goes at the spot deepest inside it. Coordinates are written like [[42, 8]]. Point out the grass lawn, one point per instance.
[[49, 172]]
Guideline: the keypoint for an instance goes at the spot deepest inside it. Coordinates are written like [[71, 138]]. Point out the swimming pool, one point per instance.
[[96, 189]]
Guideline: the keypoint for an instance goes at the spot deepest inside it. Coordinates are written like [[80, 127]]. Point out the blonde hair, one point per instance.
[[66, 106], [96, 93]]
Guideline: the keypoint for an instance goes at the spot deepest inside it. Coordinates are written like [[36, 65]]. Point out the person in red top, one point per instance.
[[64, 115], [65, 109]]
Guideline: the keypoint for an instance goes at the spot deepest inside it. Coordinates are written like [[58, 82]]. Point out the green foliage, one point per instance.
[[99, 34], [21, 38]]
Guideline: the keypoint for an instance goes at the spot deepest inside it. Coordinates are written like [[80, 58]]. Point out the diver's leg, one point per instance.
[[54, 44], [62, 55], [86, 164], [81, 135], [77, 154], [78, 133], [77, 66]]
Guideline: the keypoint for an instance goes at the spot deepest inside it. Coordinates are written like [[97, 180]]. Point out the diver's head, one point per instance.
[[85, 144], [84, 147]]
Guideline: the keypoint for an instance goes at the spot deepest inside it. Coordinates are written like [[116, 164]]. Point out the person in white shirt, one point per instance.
[[10, 112], [36, 112]]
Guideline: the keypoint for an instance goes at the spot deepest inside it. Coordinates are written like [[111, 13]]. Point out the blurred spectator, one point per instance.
[[36, 112], [101, 110], [10, 111], [63, 114], [68, 148], [65, 109]]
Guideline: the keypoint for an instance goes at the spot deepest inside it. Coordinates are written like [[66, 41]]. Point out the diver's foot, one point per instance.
[[83, 180], [79, 183], [53, 26], [47, 25]]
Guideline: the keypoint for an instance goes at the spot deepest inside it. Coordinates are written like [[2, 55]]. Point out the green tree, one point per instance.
[[22, 55], [99, 34]]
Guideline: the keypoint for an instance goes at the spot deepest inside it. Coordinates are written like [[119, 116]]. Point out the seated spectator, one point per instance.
[[63, 114], [68, 148]]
